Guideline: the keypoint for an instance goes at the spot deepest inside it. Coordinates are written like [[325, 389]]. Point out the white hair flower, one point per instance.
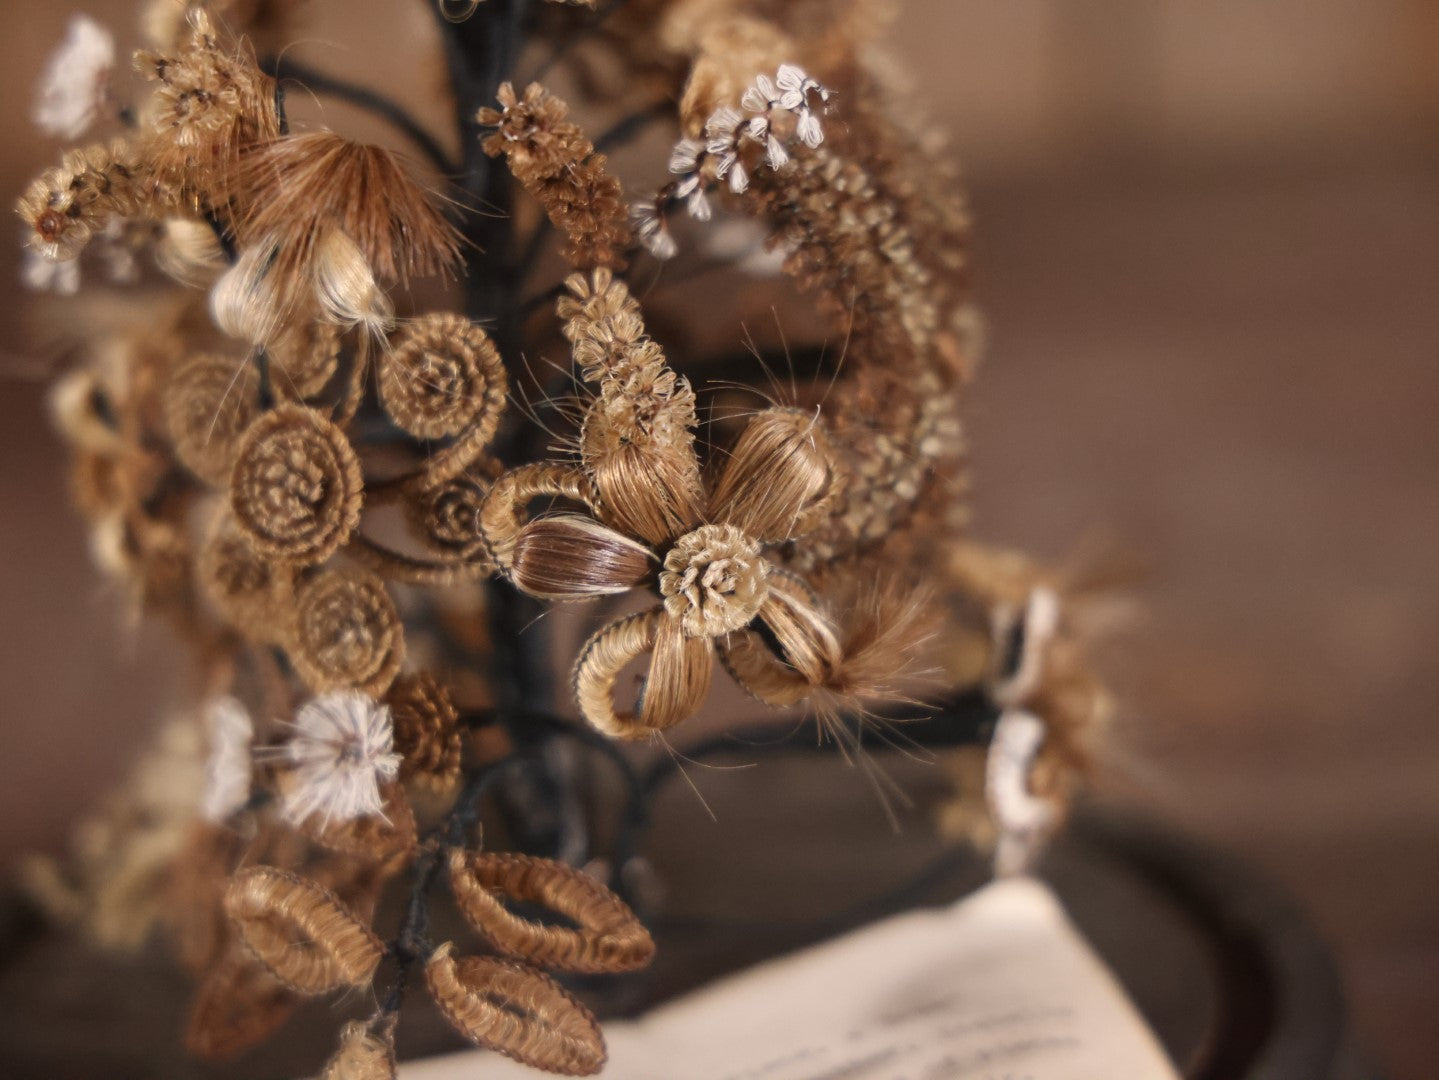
[[342, 751], [1023, 818], [727, 132], [76, 81], [227, 773]]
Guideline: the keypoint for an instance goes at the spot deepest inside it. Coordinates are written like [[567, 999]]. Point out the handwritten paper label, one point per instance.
[[999, 986]]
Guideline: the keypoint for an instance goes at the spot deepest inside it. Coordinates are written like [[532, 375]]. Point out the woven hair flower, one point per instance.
[[652, 522], [341, 753]]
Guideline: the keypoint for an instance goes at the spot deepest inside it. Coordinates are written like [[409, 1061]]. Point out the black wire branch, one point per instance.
[[365, 98]]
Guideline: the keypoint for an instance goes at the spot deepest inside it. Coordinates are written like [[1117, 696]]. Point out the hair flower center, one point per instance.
[[714, 580]]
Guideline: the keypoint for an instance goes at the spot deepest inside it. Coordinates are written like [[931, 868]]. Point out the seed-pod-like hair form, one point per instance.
[[346, 633], [296, 487], [517, 1011], [300, 931], [606, 937]]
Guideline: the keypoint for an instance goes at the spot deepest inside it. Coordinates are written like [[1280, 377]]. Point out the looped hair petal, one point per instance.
[[517, 1011], [300, 931], [805, 635], [675, 686], [607, 937], [762, 674], [569, 557], [779, 478], [296, 487], [503, 514], [238, 1005]]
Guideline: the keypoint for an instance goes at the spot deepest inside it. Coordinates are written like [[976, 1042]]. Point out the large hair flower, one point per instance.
[[652, 521]]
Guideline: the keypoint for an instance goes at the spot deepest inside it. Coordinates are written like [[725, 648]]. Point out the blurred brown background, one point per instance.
[[1208, 244]]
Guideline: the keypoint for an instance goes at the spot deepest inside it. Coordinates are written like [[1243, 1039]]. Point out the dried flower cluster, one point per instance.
[[310, 466]]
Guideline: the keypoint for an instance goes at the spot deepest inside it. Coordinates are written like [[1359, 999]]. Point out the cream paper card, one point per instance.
[[999, 986]]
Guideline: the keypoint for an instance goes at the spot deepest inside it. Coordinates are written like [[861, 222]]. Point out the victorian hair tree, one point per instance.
[[376, 409]]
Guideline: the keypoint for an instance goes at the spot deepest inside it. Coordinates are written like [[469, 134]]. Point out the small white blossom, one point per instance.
[[227, 773], [685, 157], [738, 176], [342, 751], [692, 190], [722, 132], [795, 88], [754, 101], [46, 275], [720, 128], [653, 230], [76, 80], [1023, 818], [792, 83], [808, 129]]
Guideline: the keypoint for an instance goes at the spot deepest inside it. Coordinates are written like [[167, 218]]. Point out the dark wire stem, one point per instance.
[[479, 54], [361, 97], [579, 37]]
